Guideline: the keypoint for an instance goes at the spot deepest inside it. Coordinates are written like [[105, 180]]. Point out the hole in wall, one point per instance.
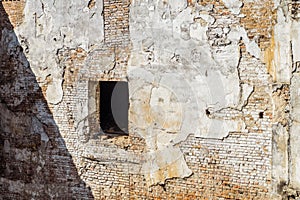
[[207, 112], [261, 115], [114, 104]]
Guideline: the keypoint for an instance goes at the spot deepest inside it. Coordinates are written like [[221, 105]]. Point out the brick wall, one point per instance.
[[14, 10], [116, 22], [86, 164]]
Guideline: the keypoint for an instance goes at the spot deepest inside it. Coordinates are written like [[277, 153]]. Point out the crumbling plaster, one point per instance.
[[52, 25], [183, 69], [164, 60], [177, 76], [285, 71]]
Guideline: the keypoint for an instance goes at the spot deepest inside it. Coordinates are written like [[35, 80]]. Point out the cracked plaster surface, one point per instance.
[[284, 70], [51, 25], [176, 75]]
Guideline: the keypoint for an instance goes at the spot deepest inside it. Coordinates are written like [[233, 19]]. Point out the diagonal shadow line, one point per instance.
[[35, 162]]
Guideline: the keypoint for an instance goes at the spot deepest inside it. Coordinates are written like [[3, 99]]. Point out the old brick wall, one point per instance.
[[209, 103], [116, 22], [238, 166], [15, 11], [35, 162]]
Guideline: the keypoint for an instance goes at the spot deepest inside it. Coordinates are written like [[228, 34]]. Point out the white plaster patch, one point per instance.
[[238, 33], [253, 49], [233, 5], [227, 58], [247, 90], [198, 32], [294, 136], [282, 51], [164, 164], [182, 22], [177, 5], [173, 89], [54, 91], [208, 18], [165, 111], [295, 37], [51, 25]]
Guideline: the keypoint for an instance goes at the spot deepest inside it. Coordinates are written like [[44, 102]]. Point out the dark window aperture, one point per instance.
[[114, 104]]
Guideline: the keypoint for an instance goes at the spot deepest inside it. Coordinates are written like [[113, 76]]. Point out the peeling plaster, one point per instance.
[[179, 80], [233, 5], [282, 57], [295, 38], [184, 77], [54, 93], [247, 90], [237, 33], [294, 132], [54, 25], [164, 164]]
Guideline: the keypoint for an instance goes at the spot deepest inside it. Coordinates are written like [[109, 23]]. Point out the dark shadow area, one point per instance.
[[35, 163], [114, 104]]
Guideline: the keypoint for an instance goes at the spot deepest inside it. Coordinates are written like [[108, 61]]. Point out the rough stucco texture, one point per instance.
[[213, 99]]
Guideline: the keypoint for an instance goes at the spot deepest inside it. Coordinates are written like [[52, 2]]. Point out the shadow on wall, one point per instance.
[[34, 160]]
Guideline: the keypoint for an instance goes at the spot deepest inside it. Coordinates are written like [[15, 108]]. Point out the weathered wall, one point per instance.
[[35, 163], [213, 99]]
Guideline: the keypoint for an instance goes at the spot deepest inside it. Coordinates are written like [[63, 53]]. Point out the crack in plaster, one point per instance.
[[195, 84]]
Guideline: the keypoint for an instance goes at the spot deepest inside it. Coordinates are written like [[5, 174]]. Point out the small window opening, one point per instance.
[[114, 104], [261, 115]]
